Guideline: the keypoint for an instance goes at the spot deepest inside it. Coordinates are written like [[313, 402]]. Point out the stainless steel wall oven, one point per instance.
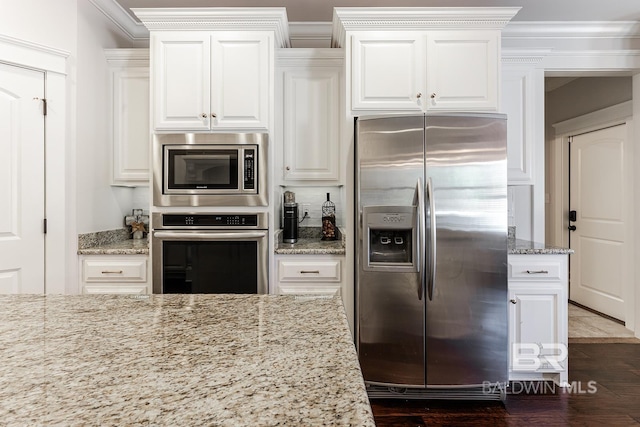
[[210, 253], [210, 169]]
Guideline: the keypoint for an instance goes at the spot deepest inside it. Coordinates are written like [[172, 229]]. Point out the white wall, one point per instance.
[[45, 22], [98, 205]]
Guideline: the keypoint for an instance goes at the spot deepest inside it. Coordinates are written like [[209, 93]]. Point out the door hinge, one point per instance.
[[45, 226], [44, 107]]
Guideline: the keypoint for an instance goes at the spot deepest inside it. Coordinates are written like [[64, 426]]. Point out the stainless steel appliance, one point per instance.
[[210, 169], [431, 255], [210, 253]]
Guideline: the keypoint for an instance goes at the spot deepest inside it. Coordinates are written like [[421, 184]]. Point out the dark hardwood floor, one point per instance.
[[606, 392]]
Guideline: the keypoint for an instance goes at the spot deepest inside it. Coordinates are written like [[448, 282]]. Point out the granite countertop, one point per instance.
[[527, 247], [112, 242], [228, 360], [310, 243]]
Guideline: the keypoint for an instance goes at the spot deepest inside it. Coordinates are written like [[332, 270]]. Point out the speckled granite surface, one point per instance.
[[111, 242], [527, 247], [309, 243], [223, 360]]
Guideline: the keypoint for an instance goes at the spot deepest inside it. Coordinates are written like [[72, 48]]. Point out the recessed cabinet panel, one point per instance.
[[311, 124], [181, 81], [387, 71], [462, 70], [518, 100], [131, 126], [240, 80]]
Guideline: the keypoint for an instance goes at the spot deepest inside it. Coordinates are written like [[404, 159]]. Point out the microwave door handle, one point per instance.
[[419, 197], [177, 235], [432, 239]]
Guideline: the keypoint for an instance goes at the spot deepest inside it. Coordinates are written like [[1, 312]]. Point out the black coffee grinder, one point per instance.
[[290, 232]]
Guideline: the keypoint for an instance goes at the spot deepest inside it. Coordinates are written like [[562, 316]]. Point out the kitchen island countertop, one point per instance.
[[230, 360]]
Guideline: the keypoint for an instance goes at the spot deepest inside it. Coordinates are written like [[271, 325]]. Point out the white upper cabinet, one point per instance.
[[421, 59], [129, 116], [463, 70], [309, 111], [208, 81], [387, 73], [181, 80], [212, 69], [241, 64]]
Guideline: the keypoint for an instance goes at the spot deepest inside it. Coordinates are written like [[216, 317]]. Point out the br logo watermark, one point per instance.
[[534, 357]]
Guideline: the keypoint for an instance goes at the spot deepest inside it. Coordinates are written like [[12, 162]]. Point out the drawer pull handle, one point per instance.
[[537, 272], [309, 271], [111, 271]]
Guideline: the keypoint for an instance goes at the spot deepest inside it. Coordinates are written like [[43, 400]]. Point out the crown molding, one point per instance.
[[317, 57], [131, 57], [523, 56], [218, 18], [417, 18], [571, 29], [320, 31], [121, 19]]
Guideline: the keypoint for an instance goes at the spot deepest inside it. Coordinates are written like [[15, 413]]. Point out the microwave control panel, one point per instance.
[[249, 169]]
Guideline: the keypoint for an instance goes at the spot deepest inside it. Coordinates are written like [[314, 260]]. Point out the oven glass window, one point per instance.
[[210, 267], [203, 169]]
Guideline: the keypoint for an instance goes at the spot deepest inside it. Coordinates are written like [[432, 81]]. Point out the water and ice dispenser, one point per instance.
[[392, 238]]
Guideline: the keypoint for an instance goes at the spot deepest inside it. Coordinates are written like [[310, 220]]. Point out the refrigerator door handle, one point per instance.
[[432, 239], [419, 197]]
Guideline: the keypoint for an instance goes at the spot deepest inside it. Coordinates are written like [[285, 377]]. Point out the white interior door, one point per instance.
[[21, 180], [600, 187]]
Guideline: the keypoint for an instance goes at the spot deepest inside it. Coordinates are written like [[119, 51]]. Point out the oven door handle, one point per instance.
[[181, 235]]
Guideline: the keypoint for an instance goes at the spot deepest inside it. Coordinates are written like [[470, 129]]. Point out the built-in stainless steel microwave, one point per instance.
[[210, 169]]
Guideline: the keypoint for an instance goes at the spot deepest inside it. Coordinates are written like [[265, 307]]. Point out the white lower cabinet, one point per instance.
[[309, 274], [115, 274], [538, 318]]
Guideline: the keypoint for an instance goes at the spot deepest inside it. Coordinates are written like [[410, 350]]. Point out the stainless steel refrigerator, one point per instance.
[[431, 255]]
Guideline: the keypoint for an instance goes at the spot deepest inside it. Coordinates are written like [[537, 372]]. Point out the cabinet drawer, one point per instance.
[[309, 271], [120, 270], [535, 270]]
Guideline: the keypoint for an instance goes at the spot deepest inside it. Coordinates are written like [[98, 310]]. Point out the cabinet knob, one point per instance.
[[513, 301], [204, 115], [288, 168], [213, 115], [433, 95], [419, 95]]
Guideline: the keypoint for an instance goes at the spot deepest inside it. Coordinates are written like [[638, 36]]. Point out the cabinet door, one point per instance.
[[387, 71], [240, 74], [462, 70], [311, 120], [130, 126], [520, 100], [536, 327], [181, 80]]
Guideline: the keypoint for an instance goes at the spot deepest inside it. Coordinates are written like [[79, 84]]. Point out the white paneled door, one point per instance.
[[21, 180], [600, 189]]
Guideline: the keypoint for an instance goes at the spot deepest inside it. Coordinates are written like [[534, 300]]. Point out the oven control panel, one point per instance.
[[207, 220]]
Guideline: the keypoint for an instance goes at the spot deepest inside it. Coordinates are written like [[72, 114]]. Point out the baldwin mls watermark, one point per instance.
[[539, 358]]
